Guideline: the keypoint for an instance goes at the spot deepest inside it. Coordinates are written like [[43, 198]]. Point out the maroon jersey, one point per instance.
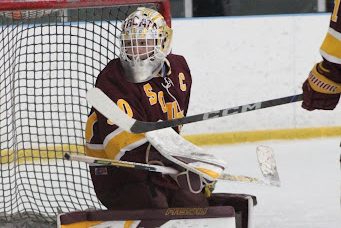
[[330, 50], [160, 98]]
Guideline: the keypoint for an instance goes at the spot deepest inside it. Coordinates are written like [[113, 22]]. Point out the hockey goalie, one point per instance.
[[149, 83]]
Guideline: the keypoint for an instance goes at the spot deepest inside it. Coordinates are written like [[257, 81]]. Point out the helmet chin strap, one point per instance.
[[165, 70], [162, 72]]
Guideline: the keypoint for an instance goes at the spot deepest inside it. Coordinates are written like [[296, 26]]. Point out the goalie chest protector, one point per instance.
[[160, 98]]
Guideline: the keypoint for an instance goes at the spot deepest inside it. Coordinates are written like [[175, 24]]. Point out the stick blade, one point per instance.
[[267, 164], [102, 103]]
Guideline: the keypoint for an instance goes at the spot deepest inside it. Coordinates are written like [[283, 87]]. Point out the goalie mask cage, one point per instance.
[[51, 52]]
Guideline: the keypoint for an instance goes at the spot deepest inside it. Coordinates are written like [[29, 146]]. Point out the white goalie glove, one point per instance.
[[200, 169]]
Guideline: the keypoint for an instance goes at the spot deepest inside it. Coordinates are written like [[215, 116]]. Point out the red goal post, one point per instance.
[[13, 5], [50, 54]]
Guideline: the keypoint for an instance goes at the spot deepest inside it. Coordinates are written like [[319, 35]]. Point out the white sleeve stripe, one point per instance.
[[95, 146], [330, 58], [334, 33], [130, 147]]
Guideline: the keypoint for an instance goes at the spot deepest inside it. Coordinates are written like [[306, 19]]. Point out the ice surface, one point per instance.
[[309, 196]]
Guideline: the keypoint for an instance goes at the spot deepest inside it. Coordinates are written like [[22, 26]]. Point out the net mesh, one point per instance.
[[26, 14], [48, 60]]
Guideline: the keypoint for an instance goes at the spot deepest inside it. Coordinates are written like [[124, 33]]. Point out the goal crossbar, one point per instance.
[[13, 5]]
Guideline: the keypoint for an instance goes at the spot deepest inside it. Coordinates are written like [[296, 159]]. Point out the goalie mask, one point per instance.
[[145, 43]]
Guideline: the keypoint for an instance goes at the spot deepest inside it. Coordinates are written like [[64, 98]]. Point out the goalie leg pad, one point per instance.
[[217, 217], [242, 203], [184, 198]]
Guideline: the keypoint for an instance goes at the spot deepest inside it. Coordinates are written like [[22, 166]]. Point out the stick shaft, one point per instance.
[[125, 164], [156, 168], [102, 103], [140, 126]]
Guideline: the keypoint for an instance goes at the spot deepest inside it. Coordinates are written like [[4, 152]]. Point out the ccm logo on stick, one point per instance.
[[229, 111]]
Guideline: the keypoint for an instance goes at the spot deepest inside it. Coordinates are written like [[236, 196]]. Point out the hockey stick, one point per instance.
[[108, 108], [117, 163], [247, 179], [267, 164], [157, 168], [268, 168]]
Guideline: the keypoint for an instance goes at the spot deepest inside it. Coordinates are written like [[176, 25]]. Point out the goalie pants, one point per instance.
[[129, 189]]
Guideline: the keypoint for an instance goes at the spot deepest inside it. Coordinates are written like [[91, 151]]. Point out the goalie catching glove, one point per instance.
[[197, 175], [322, 89], [197, 169]]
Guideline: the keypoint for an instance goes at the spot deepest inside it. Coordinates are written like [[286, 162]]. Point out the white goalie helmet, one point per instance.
[[145, 43]]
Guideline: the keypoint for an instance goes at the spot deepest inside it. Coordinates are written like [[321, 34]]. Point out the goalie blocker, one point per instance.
[[225, 210]]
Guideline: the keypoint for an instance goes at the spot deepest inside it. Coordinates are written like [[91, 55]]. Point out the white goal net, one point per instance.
[[50, 54]]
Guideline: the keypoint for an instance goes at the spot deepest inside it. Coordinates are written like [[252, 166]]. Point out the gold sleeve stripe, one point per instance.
[[118, 140], [92, 119], [111, 135], [331, 46], [95, 150], [321, 84], [334, 33]]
